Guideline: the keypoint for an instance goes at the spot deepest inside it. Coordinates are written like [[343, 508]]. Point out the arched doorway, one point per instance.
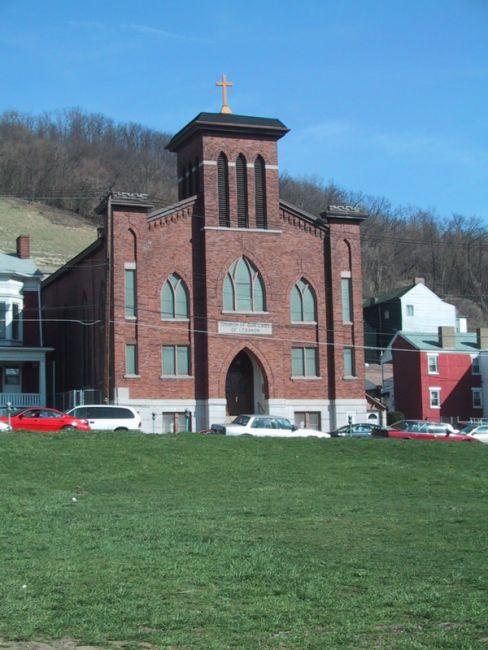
[[239, 385]]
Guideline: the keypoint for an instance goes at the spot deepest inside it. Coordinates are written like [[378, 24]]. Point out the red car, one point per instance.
[[422, 430], [44, 419]]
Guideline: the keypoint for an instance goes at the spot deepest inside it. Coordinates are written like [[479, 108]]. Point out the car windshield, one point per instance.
[[241, 419], [468, 428]]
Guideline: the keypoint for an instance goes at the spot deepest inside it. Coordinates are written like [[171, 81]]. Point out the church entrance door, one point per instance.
[[239, 386]]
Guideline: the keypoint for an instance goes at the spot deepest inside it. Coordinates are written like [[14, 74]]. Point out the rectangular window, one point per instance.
[[304, 362], [349, 363], [130, 293], [432, 364], [175, 422], [435, 398], [307, 420], [477, 398], [3, 320], [346, 293], [176, 360], [475, 365], [131, 359], [12, 377], [15, 321], [410, 310]]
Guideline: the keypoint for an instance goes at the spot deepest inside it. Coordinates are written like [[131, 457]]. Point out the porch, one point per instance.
[[19, 400]]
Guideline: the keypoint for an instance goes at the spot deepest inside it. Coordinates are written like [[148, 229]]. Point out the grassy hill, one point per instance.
[[55, 235], [208, 542]]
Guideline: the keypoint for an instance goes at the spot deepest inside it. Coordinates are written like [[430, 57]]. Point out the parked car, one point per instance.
[[357, 430], [265, 425], [478, 431], [108, 417], [44, 419], [422, 430]]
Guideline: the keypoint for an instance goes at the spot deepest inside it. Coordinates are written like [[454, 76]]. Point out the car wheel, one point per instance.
[[121, 429], [69, 427]]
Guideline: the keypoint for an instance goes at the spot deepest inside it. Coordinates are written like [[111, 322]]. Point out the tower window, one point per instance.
[[174, 301], [302, 303], [241, 181], [260, 193], [223, 190]]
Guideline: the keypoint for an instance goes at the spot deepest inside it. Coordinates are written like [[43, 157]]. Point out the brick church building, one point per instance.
[[230, 301]]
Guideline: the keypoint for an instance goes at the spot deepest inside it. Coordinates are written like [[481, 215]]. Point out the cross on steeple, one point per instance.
[[224, 84]]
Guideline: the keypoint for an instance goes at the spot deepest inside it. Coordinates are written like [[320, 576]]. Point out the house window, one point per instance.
[[432, 364], [410, 310], [174, 299], [435, 398], [176, 361], [15, 321], [130, 293], [10, 320], [243, 288], [302, 303], [3, 320], [346, 293], [12, 377], [307, 420], [260, 193], [175, 422], [475, 365], [349, 363], [223, 190], [477, 398], [241, 181], [304, 362], [131, 359]]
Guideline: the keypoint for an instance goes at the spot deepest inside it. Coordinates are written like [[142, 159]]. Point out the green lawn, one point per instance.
[[187, 541]]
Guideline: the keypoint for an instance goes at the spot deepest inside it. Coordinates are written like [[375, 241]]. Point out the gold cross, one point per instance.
[[224, 83]]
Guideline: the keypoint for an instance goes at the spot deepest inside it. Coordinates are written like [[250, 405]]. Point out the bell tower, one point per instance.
[[231, 162]]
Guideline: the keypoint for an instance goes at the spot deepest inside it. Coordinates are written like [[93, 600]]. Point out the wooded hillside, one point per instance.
[[69, 159]]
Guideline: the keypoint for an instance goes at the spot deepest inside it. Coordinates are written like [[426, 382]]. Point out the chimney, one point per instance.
[[482, 338], [23, 246], [447, 337], [419, 280]]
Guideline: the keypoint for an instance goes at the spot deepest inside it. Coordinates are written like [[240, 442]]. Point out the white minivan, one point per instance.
[[107, 417]]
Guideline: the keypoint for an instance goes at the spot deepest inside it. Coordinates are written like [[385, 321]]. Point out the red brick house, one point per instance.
[[22, 350], [437, 376], [229, 301]]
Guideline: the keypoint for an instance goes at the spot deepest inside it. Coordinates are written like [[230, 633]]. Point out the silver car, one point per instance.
[[265, 425]]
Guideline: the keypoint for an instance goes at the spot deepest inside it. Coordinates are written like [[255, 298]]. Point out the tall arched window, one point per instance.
[[174, 299], [241, 182], [243, 287], [302, 303], [223, 190], [260, 193]]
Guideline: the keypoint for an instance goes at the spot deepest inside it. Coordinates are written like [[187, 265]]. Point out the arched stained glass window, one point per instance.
[[223, 190], [243, 287], [174, 299], [303, 308], [241, 182]]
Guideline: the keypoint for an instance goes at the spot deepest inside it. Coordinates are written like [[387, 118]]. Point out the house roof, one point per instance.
[[466, 342], [388, 296], [25, 266]]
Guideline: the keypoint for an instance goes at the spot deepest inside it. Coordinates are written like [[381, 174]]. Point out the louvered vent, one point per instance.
[[260, 190], [223, 185], [241, 181]]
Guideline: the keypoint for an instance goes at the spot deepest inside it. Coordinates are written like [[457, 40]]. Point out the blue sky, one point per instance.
[[388, 97]]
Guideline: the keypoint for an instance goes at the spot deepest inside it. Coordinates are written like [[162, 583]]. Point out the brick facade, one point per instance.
[[186, 240]]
